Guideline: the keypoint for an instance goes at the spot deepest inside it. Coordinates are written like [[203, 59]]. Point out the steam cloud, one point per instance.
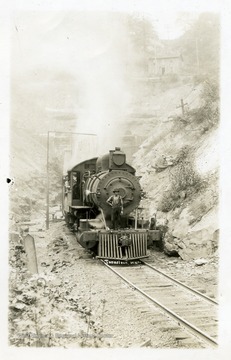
[[92, 49]]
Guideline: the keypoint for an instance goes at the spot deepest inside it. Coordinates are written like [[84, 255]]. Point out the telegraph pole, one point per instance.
[[182, 106], [48, 185]]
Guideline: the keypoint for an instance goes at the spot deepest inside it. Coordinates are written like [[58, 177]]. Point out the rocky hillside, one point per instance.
[[179, 166]]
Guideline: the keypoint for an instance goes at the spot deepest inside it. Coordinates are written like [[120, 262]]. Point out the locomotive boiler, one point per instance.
[[86, 188]]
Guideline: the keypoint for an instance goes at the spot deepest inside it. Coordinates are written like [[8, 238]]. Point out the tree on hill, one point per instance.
[[141, 40], [200, 45]]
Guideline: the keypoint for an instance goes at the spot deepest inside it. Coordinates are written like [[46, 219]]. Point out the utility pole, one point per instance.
[[197, 56], [182, 106], [48, 185]]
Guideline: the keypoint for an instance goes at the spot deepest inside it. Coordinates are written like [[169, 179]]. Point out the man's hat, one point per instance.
[[115, 190]]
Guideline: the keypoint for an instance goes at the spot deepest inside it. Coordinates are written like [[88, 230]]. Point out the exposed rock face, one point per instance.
[[196, 244], [171, 247], [181, 226]]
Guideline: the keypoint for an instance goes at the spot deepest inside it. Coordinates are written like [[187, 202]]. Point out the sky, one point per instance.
[[171, 25], [48, 28]]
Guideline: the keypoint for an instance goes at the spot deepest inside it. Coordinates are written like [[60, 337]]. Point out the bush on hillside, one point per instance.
[[208, 114], [184, 180]]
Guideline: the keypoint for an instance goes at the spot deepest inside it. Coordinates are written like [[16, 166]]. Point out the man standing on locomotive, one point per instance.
[[116, 202]]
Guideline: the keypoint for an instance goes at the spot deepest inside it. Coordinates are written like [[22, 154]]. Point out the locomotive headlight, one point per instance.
[[117, 158]]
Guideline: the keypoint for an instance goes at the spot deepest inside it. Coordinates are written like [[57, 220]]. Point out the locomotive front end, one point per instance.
[[101, 186], [97, 230], [113, 173]]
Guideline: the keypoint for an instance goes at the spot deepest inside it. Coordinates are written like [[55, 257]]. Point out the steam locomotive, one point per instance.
[[86, 189]]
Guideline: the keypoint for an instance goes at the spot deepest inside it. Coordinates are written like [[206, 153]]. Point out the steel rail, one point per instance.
[[193, 329], [180, 283]]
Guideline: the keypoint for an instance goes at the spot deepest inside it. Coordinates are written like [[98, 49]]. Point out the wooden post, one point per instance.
[[29, 245], [182, 106]]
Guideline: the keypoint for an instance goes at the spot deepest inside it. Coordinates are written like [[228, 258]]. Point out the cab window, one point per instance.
[[76, 185]]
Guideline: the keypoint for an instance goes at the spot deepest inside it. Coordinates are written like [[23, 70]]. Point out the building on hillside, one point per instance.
[[165, 63]]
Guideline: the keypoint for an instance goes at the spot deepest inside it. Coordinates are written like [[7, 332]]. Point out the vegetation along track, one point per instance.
[[194, 311]]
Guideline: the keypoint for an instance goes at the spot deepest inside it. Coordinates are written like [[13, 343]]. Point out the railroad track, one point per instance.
[[192, 310]]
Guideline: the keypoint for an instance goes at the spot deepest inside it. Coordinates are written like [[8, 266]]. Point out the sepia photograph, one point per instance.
[[113, 223]]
